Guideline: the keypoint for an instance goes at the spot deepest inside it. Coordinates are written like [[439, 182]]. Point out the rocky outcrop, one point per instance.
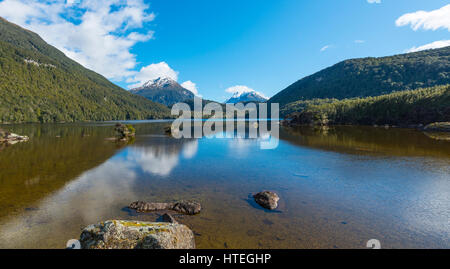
[[10, 138], [123, 234], [124, 132], [267, 199], [185, 207]]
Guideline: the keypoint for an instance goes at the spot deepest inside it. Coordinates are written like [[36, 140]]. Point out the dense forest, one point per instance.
[[38, 83], [410, 107], [372, 77]]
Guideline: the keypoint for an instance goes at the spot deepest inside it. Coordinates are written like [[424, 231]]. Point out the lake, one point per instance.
[[339, 187]]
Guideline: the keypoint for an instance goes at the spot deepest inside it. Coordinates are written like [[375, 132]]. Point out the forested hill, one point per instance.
[[38, 83], [412, 107], [372, 77]]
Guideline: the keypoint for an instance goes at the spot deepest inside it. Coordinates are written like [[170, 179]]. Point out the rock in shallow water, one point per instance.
[[141, 206], [124, 132], [267, 199], [10, 138], [168, 218], [122, 234], [190, 208], [186, 207]]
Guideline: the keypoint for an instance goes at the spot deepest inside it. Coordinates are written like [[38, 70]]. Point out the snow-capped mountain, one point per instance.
[[159, 83], [164, 90], [247, 96]]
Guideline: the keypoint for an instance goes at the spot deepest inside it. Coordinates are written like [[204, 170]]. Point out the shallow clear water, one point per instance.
[[338, 187]]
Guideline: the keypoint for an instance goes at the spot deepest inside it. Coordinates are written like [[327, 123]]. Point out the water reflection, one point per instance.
[[339, 187], [160, 156], [54, 155], [367, 141], [91, 196]]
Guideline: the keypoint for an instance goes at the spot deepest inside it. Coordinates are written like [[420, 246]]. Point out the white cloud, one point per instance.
[[359, 41], [325, 48], [427, 20], [189, 85], [238, 90], [151, 72], [374, 1], [98, 34], [433, 45]]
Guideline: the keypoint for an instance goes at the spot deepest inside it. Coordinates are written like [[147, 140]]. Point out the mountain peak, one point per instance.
[[164, 90], [160, 82], [247, 95]]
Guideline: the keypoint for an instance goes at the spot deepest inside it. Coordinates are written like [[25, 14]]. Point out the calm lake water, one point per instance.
[[338, 187]]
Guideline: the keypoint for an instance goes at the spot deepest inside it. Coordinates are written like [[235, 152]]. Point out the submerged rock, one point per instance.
[[10, 138], [267, 199], [123, 234], [186, 207]]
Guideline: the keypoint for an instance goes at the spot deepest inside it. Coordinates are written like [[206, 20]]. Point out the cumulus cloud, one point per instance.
[[151, 72], [374, 1], [433, 45], [98, 34], [189, 85], [427, 20], [238, 90]]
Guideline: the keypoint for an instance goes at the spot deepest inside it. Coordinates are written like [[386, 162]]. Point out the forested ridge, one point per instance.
[[371, 77], [410, 107], [38, 83]]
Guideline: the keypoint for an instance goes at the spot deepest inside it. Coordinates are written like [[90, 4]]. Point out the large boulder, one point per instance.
[[123, 234], [267, 199]]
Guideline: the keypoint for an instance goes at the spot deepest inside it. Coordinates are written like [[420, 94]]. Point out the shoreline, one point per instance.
[[418, 127]]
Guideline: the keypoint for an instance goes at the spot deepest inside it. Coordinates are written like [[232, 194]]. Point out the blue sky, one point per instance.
[[215, 45]]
